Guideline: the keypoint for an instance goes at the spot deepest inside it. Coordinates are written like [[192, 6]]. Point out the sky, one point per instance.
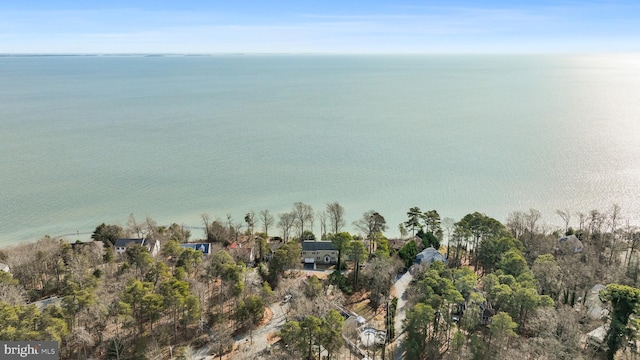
[[327, 26]]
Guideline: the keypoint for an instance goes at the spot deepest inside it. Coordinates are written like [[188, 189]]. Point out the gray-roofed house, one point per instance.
[[595, 307], [121, 245], [152, 245], [429, 255], [570, 244], [54, 300], [4, 267], [319, 253]]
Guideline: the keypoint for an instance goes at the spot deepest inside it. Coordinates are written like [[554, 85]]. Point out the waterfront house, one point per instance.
[[319, 253], [245, 254], [429, 255], [570, 244], [152, 245], [205, 248]]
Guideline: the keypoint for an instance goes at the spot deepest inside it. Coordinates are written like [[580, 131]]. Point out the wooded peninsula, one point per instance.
[[269, 287]]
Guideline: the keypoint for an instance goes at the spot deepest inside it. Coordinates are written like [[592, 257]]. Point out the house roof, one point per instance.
[[275, 246], [47, 302], [568, 238], [317, 245], [595, 306], [127, 242], [430, 254], [397, 244], [204, 247], [599, 334], [572, 242], [487, 312], [79, 244], [4, 267]]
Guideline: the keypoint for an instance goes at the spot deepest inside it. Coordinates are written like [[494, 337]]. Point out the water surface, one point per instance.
[[87, 140]]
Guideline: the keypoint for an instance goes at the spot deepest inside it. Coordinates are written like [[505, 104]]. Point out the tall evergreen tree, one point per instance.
[[624, 302]]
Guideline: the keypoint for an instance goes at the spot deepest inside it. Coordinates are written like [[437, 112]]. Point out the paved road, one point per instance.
[[401, 288]]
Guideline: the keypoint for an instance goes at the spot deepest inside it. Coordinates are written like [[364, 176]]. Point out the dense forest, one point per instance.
[[494, 291]]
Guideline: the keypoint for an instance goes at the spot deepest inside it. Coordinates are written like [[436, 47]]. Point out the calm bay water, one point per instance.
[[87, 140]]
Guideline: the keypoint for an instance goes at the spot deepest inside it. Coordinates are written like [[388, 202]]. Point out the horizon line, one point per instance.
[[249, 53]]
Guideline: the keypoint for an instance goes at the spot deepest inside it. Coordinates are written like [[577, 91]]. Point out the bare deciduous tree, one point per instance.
[[133, 226], [614, 219], [447, 224], [336, 216], [582, 217], [632, 237], [267, 220], [10, 293], [303, 215], [378, 277], [596, 220], [565, 215], [286, 223], [322, 217], [531, 220], [150, 228], [516, 224], [206, 219], [238, 229]]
